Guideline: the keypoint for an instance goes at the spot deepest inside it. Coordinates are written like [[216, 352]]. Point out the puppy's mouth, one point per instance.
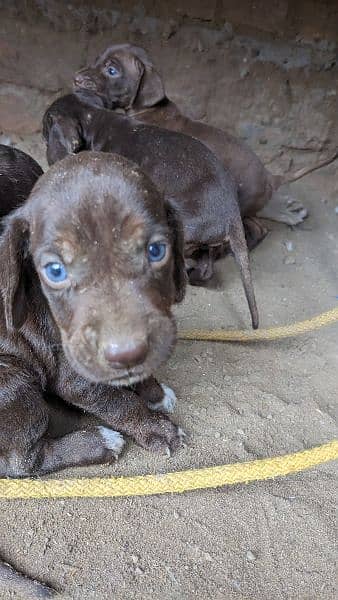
[[96, 374]]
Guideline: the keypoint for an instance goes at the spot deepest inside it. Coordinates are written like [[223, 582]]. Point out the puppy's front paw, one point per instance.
[[168, 402], [161, 435]]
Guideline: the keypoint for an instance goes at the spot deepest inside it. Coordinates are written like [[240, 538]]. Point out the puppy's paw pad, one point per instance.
[[112, 440], [168, 402]]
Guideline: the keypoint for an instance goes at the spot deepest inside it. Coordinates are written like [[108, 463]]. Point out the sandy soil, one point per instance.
[[270, 540]]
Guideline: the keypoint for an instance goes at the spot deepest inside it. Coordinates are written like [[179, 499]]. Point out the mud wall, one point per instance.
[[267, 71]]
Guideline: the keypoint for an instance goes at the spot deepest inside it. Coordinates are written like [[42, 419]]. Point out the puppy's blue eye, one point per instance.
[[113, 72], [157, 251], [55, 272]]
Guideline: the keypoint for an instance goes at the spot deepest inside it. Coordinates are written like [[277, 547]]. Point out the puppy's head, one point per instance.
[[108, 254], [123, 76]]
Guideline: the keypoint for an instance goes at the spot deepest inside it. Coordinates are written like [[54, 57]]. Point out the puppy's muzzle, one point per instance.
[[85, 80]]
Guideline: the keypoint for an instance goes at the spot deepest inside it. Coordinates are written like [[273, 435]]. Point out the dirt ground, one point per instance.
[[263, 541]]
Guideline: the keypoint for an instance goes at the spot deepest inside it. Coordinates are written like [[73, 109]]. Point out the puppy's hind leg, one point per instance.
[[283, 209], [255, 231], [25, 447], [92, 446]]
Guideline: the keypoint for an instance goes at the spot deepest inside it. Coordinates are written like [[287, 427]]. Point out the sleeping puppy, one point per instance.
[[91, 265], [18, 173], [125, 77], [191, 178]]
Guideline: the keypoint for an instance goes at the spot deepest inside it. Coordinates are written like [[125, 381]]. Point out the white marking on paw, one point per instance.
[[182, 435], [168, 402], [113, 440]]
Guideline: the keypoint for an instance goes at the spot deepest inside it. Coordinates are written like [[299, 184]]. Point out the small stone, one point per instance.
[[139, 571], [236, 585], [289, 260], [244, 72], [250, 556], [217, 435], [288, 245], [5, 140], [134, 558]]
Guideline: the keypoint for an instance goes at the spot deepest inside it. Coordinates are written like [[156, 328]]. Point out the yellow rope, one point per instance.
[[273, 333], [181, 481]]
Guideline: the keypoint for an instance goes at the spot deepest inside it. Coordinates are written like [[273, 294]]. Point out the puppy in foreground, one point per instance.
[[90, 267]]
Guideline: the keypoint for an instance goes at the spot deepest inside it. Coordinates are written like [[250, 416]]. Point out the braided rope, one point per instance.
[[273, 333], [181, 481]]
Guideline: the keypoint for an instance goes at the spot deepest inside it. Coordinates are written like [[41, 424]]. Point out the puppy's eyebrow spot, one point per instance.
[[132, 227], [67, 251]]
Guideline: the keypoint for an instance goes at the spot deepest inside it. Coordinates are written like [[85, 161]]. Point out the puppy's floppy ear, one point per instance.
[[62, 135], [180, 273], [13, 278], [151, 88]]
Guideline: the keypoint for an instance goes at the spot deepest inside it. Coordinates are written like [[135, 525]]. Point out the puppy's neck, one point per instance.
[[162, 105], [90, 98]]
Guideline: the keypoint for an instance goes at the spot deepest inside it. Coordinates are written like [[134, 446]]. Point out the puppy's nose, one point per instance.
[[126, 354], [83, 80]]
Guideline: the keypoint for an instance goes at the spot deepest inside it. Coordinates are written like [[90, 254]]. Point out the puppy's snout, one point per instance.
[[83, 79], [126, 354]]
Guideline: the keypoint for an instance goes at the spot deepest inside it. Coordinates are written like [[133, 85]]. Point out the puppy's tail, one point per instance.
[[282, 179], [239, 250]]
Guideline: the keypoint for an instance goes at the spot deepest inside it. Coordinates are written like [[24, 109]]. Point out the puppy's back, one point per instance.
[[18, 174]]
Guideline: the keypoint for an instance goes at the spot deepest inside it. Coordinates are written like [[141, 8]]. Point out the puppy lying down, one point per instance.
[[90, 267]]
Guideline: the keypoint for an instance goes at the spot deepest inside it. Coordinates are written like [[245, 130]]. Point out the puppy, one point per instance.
[[191, 178], [125, 77], [91, 265], [18, 173]]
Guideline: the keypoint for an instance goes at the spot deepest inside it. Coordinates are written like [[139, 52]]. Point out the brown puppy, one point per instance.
[[18, 173], [191, 178], [125, 77], [82, 321]]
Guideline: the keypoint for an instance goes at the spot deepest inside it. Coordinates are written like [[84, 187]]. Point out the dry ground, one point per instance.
[[270, 540]]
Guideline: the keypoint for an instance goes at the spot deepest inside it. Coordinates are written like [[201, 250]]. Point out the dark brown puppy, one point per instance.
[[125, 77], [18, 174], [90, 267], [191, 178]]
